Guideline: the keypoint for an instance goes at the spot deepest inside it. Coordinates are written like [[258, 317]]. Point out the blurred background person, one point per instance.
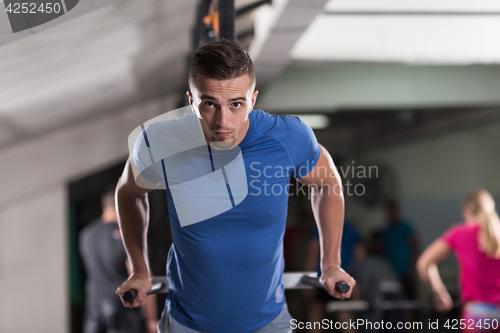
[[106, 266], [400, 247], [476, 244], [376, 281]]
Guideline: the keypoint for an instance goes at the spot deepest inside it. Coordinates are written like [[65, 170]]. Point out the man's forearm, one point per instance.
[[328, 209], [133, 215]]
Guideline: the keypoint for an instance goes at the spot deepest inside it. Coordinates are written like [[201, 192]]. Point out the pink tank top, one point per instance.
[[479, 274]]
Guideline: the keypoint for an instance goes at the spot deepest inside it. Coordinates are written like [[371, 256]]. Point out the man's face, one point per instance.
[[223, 108]]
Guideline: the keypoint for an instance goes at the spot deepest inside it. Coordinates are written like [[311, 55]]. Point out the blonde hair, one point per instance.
[[482, 206]]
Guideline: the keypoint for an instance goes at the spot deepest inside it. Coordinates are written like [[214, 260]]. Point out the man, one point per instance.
[[226, 262], [106, 264]]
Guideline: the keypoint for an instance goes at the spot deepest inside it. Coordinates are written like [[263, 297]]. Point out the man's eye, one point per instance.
[[209, 104], [236, 104]]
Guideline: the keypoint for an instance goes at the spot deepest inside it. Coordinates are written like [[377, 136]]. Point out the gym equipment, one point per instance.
[[336, 306], [294, 280]]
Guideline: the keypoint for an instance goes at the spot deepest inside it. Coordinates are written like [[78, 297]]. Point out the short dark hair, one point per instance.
[[221, 60]]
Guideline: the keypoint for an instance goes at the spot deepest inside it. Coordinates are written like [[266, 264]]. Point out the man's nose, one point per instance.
[[223, 117]]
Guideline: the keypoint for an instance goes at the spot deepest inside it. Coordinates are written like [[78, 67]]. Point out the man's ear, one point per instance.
[[191, 104], [254, 97]]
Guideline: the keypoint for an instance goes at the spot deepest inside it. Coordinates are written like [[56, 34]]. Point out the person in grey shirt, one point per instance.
[[105, 262], [377, 282]]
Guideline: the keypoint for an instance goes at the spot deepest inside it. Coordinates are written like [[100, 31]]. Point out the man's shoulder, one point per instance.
[[172, 136], [275, 125], [164, 126]]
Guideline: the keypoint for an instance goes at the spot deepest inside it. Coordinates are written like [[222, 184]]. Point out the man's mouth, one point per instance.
[[222, 133]]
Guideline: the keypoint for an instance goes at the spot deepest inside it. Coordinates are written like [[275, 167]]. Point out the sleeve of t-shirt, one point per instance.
[[451, 237], [302, 147], [142, 159]]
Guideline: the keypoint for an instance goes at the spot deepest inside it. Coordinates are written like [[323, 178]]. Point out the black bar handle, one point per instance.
[[341, 286], [130, 295]]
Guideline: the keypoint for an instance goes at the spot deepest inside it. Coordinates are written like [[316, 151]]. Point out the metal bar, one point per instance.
[[335, 306], [227, 16], [291, 280], [294, 280]]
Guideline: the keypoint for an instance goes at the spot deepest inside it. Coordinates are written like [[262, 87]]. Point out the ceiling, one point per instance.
[[403, 31], [106, 55], [101, 57]]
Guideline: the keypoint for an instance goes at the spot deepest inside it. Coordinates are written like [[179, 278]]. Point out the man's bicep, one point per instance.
[[324, 172], [133, 182], [147, 170]]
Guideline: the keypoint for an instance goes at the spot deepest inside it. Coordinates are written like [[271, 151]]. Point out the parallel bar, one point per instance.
[[294, 280], [335, 306], [291, 280]]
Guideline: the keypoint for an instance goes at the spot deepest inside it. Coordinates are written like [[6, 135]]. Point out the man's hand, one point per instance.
[[141, 284], [329, 278]]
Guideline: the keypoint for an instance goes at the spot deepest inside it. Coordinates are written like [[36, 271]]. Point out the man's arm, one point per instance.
[[148, 308], [133, 217], [328, 208]]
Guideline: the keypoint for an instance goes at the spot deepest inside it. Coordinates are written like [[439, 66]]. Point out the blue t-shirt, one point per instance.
[[225, 271], [396, 239]]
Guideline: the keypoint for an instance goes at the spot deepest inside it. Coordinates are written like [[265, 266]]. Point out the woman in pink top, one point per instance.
[[476, 244]]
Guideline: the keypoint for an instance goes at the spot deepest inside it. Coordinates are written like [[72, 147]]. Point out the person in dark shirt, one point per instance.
[[400, 246], [106, 265], [377, 281]]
